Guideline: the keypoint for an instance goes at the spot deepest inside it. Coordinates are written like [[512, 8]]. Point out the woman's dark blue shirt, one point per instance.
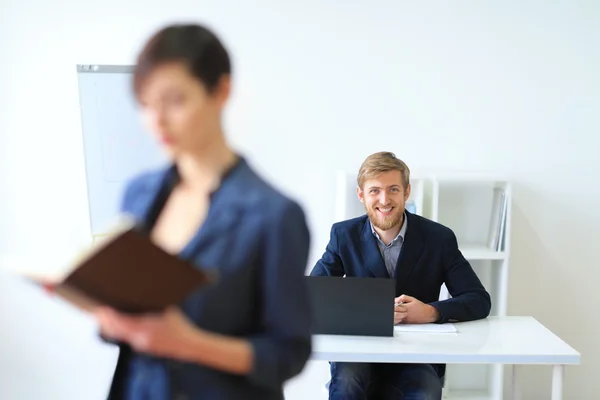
[[258, 241]]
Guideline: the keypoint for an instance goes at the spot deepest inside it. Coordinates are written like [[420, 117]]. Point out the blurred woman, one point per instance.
[[249, 333]]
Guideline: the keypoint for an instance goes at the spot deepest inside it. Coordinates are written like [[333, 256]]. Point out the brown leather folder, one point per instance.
[[129, 273]]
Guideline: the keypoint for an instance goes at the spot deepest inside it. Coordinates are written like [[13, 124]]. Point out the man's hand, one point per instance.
[[400, 311], [409, 310]]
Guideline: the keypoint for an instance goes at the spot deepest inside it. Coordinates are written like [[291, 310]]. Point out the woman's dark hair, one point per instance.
[[195, 46]]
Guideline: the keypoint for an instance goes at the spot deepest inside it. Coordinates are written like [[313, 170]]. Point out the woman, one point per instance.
[[249, 333]]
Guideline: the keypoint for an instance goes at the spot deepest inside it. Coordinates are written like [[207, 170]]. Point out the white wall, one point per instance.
[[511, 88]]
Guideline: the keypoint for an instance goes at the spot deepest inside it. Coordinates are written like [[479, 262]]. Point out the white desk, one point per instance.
[[495, 340]]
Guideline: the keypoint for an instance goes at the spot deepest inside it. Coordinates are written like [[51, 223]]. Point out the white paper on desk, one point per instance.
[[426, 328]]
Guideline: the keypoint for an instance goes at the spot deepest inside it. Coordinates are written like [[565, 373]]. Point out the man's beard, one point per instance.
[[384, 223]]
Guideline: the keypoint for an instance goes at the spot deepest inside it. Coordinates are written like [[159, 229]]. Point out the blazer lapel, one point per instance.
[[371, 254], [152, 198], [412, 248], [218, 220], [225, 210]]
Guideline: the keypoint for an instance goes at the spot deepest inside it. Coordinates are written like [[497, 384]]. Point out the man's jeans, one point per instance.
[[358, 381]]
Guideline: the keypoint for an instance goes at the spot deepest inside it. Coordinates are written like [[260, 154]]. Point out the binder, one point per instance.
[[128, 272]]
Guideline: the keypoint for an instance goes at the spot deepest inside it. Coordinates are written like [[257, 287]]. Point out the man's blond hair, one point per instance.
[[378, 163]]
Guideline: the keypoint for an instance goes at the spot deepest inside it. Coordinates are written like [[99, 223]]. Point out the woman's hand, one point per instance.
[[171, 335], [167, 334]]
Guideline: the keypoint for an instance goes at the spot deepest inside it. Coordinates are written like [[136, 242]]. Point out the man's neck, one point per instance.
[[389, 235]]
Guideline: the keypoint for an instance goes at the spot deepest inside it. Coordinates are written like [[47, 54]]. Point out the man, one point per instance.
[[421, 255]]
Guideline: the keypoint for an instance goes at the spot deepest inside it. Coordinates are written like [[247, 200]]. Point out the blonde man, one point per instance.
[[420, 255]]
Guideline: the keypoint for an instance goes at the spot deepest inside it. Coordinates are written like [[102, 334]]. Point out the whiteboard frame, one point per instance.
[[100, 222]]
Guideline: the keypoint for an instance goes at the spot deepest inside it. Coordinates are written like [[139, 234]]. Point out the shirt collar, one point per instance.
[[401, 234]]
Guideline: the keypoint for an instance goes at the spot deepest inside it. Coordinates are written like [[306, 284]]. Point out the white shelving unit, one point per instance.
[[466, 205]]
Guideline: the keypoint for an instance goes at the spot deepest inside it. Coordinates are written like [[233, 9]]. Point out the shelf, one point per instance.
[[467, 395], [480, 252]]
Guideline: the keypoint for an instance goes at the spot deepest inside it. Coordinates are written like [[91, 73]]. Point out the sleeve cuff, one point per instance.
[[275, 361], [439, 306], [264, 371]]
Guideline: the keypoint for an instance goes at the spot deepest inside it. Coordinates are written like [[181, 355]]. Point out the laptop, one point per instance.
[[352, 305]]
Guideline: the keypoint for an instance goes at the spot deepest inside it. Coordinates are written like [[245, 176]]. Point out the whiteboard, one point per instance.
[[115, 144]]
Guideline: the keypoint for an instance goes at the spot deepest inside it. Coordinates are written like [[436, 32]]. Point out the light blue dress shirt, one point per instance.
[[391, 252]]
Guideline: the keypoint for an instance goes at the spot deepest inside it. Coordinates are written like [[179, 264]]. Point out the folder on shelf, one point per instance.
[[498, 220], [125, 271]]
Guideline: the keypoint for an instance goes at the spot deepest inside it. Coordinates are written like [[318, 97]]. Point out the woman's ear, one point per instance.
[[223, 90]]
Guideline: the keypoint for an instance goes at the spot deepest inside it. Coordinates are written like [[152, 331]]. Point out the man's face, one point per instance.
[[384, 198]]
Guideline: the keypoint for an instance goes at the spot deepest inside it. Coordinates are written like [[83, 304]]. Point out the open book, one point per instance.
[[125, 271]]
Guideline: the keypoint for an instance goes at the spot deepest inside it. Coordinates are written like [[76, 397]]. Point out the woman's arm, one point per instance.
[[269, 358], [284, 346], [172, 335], [225, 353]]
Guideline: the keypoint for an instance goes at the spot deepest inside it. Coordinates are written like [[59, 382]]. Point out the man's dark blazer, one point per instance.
[[429, 258]]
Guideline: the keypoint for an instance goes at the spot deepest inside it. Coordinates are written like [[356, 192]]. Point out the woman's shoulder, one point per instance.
[[260, 195], [142, 187], [148, 179]]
